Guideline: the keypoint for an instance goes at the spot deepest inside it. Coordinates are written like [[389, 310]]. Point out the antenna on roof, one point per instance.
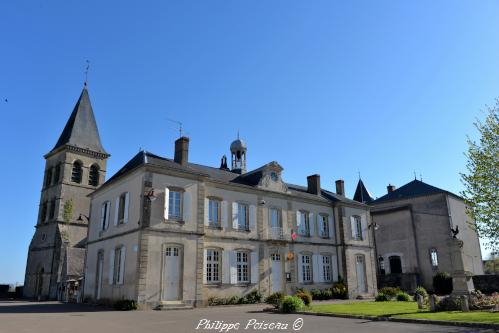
[[414, 174], [86, 72], [238, 133], [420, 177], [179, 125], [358, 173]]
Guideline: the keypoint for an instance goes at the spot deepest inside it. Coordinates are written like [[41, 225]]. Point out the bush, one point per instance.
[[381, 297], [305, 296], [449, 303], [125, 305], [327, 294], [253, 297], [442, 283], [291, 304], [316, 294], [275, 299], [339, 290], [420, 291], [391, 292], [403, 297], [479, 301]]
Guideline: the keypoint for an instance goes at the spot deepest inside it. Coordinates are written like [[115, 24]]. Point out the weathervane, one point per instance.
[[86, 72]]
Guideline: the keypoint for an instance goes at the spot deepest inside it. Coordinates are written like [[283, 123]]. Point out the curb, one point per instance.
[[404, 320]]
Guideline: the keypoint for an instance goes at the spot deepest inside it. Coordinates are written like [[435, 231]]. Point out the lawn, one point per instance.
[[404, 310], [367, 308]]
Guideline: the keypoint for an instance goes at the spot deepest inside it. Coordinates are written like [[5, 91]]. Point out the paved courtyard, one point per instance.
[[49, 317]]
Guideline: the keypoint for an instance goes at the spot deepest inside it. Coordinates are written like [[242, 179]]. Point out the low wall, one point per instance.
[[406, 281], [486, 283]]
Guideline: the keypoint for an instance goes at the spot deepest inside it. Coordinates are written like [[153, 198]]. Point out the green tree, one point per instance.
[[481, 181]]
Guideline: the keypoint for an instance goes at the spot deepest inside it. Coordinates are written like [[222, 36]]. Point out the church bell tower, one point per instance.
[[74, 168]]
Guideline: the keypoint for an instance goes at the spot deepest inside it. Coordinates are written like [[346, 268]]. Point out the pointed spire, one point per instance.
[[361, 193], [81, 129]]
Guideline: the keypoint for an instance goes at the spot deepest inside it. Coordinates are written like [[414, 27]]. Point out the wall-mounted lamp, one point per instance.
[[80, 219], [374, 225], [151, 195]]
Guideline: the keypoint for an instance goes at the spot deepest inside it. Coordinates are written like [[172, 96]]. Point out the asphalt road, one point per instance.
[[50, 317]]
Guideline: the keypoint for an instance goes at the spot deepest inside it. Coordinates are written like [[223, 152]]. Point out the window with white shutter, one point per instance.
[[213, 266], [306, 264]]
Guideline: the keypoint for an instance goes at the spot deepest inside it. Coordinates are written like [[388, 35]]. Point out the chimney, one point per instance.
[[390, 188], [340, 187], [181, 150], [314, 184]]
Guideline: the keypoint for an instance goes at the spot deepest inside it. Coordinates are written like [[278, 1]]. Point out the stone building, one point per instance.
[[415, 226], [74, 168], [168, 232]]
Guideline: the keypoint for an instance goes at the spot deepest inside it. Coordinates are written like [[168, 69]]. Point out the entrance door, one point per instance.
[[361, 274], [171, 282], [98, 279], [276, 272]]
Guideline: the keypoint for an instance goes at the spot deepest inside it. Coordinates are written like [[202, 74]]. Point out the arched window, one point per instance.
[[76, 172], [43, 214], [48, 177], [52, 209], [395, 265], [93, 176], [434, 258], [57, 173]]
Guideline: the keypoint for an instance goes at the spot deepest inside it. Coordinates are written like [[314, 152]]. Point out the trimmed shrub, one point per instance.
[[442, 283], [327, 294], [391, 292], [291, 304], [316, 294], [403, 297], [253, 297], [339, 290], [275, 299], [449, 303], [420, 291], [125, 305], [381, 297], [305, 296]]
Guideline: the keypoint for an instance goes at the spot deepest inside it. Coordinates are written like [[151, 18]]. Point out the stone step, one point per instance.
[[173, 305]]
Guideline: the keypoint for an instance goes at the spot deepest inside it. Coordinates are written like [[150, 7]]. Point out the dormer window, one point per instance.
[[76, 172], [274, 176]]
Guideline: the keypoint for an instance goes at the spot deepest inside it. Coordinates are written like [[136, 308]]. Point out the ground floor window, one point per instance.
[[242, 263], [326, 268], [212, 266], [306, 262]]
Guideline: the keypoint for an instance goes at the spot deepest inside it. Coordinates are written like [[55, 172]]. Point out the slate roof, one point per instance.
[[81, 129], [249, 179], [362, 194], [413, 189]]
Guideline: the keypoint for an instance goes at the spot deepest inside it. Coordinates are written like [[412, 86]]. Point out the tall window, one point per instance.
[[214, 212], [395, 265], [356, 228], [43, 214], [324, 226], [105, 209], [434, 258], [57, 173], [48, 177], [242, 267], [76, 172], [243, 216], [52, 209], [306, 264], [119, 261], [326, 268], [274, 218], [121, 208], [93, 175], [212, 266], [304, 224], [174, 206]]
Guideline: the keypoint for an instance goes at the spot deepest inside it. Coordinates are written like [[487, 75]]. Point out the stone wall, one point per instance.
[[486, 283]]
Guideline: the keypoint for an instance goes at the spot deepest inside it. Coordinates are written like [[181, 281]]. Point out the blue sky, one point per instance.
[[381, 87]]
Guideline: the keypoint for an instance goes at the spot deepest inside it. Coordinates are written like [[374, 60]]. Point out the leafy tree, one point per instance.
[[481, 182], [491, 266]]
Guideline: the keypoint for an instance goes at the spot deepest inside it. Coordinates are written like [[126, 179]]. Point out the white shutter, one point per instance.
[[252, 217], [205, 255], [166, 204], [334, 267], [122, 265], [206, 211], [224, 209], [186, 207], [311, 222], [300, 268], [116, 211], [298, 221], [103, 216], [127, 204], [254, 267], [225, 267], [235, 216], [332, 231], [363, 223], [111, 267], [108, 212], [353, 227], [233, 267], [315, 268], [320, 226]]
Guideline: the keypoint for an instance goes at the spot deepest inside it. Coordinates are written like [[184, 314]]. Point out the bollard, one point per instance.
[[433, 302], [465, 307], [420, 300]]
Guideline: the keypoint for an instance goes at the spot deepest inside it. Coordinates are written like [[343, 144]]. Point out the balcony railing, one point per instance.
[[277, 233]]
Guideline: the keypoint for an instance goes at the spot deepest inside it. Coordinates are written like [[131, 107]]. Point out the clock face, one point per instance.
[[273, 176]]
